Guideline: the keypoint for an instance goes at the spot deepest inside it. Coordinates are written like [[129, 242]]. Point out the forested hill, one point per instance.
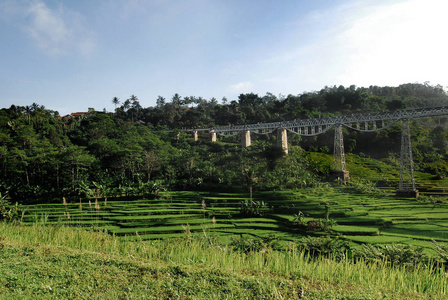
[[252, 108], [129, 151]]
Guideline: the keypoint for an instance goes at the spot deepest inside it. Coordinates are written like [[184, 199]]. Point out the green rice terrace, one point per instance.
[[358, 218], [359, 212]]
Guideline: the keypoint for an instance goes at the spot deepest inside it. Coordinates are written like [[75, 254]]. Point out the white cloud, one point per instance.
[[364, 43], [398, 43], [48, 29], [55, 31], [242, 87]]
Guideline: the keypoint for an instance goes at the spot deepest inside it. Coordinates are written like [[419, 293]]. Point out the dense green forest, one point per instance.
[[136, 150]]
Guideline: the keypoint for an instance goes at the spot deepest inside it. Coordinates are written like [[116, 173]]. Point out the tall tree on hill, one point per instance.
[[116, 101], [126, 105], [176, 100], [249, 178], [160, 102], [151, 162], [135, 107]]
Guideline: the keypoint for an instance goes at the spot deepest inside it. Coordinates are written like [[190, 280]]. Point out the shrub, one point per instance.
[[321, 224], [442, 252], [395, 254], [7, 212], [247, 244], [251, 208], [299, 219], [365, 187], [324, 246]]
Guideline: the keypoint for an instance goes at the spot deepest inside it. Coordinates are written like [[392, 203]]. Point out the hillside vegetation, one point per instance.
[[130, 152], [125, 205]]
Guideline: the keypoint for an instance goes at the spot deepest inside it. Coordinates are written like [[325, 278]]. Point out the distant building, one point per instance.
[[74, 115], [139, 122]]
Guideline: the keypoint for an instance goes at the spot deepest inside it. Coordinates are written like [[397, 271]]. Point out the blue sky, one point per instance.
[[72, 55]]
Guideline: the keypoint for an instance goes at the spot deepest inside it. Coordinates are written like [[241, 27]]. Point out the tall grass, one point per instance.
[[204, 251]]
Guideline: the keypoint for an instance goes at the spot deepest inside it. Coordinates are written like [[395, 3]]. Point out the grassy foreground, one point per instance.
[[68, 263]]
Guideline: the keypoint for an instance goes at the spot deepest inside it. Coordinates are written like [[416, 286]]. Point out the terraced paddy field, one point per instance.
[[378, 218]]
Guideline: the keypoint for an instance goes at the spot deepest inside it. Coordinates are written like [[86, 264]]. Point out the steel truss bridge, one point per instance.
[[360, 122]]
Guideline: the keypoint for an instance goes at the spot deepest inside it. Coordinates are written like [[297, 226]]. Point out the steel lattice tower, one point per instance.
[[339, 167], [406, 185]]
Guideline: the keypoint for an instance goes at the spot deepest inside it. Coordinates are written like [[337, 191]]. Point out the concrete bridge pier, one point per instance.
[[195, 135], [339, 168], [282, 140], [245, 139], [212, 136]]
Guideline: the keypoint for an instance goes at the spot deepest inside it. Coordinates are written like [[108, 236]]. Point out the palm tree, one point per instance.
[[135, 107], [249, 179], [28, 114], [126, 105], [116, 101]]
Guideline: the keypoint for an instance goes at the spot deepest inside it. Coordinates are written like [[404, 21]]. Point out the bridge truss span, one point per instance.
[[310, 127], [360, 122]]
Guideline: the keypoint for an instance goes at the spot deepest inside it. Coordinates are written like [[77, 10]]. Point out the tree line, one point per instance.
[[131, 151], [192, 111]]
